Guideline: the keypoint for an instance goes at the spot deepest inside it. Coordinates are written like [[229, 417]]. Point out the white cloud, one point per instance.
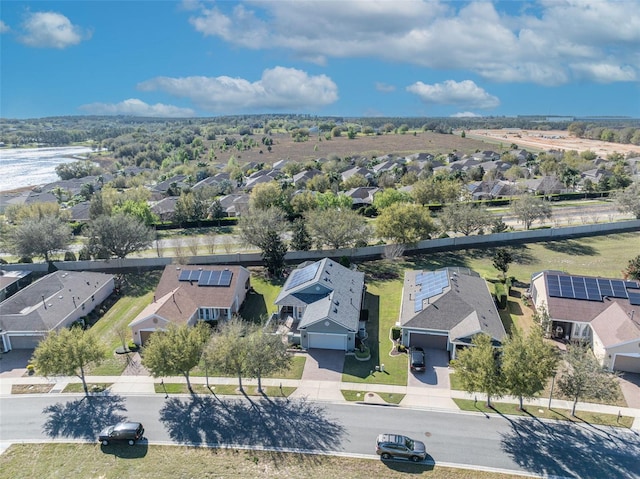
[[135, 107], [51, 30], [604, 72], [466, 114], [450, 92], [279, 88], [384, 87], [538, 44], [4, 28]]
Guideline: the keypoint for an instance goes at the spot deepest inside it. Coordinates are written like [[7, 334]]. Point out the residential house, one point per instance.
[[357, 170], [363, 195], [165, 208], [300, 179], [235, 204], [547, 185], [446, 308], [187, 294], [602, 312], [486, 155], [51, 303], [322, 301]]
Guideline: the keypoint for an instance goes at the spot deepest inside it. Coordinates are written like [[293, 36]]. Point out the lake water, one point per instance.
[[22, 167]]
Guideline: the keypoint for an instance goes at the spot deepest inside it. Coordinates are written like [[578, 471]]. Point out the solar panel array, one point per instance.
[[207, 278], [300, 276], [591, 289], [431, 284]]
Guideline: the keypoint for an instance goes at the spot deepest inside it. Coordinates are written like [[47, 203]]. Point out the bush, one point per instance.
[[25, 259], [396, 332], [501, 295], [69, 256], [84, 254], [132, 346], [345, 261]]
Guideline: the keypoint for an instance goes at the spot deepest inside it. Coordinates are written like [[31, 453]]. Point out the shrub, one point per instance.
[[501, 296], [25, 259], [395, 333], [69, 256], [84, 254], [132, 346], [345, 261]]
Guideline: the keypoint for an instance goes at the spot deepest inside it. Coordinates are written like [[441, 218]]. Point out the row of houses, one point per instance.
[[323, 305]]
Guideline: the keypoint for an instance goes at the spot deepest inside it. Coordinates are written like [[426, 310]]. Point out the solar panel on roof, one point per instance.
[[303, 275], [631, 284], [225, 278], [634, 298], [184, 275], [619, 291], [605, 287], [204, 277], [566, 287]]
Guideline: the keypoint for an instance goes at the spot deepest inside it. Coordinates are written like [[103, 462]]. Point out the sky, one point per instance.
[[349, 58]]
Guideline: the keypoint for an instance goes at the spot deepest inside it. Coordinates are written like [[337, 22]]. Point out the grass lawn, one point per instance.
[[136, 293], [383, 302], [27, 461], [390, 398], [93, 387], [224, 389], [294, 372], [543, 412]]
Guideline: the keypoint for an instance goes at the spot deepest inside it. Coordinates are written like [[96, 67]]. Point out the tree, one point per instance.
[[300, 239], [273, 253], [529, 208], [465, 218], [40, 237], [266, 195], [139, 209], [176, 350], [628, 200], [228, 348], [256, 225], [337, 228], [501, 260], [632, 271], [69, 352], [478, 368], [405, 223], [388, 197], [583, 377], [527, 363], [267, 354], [216, 211], [118, 235]]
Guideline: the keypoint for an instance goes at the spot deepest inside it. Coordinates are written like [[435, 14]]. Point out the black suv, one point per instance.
[[124, 431], [417, 359]]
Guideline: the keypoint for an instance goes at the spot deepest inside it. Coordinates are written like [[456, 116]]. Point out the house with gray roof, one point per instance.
[[51, 303], [446, 308], [323, 301]]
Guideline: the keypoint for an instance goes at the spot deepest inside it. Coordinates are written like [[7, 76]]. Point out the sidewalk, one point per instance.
[[324, 391]]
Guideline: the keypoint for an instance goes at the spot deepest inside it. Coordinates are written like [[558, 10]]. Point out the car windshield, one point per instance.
[[408, 442]]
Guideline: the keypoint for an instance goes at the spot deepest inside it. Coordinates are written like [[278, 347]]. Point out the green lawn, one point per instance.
[[389, 398], [224, 389], [77, 460], [543, 412]]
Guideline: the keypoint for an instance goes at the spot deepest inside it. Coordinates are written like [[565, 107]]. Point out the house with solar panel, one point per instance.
[[446, 308], [321, 304], [187, 294], [603, 312]]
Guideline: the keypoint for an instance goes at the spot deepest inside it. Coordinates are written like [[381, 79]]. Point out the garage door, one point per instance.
[[627, 364], [328, 341], [25, 342], [144, 336], [427, 341]]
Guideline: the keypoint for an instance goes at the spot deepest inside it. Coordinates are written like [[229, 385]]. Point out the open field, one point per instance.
[[69, 461], [550, 140]]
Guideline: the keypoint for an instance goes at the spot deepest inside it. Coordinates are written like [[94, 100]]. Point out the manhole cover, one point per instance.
[[370, 395], [428, 434]]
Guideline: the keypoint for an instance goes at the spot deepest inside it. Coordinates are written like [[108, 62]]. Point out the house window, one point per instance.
[[206, 314]]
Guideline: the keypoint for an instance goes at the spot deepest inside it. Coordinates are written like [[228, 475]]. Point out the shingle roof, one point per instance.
[[465, 306]]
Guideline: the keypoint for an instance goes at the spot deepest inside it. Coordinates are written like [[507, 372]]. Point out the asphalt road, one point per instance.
[[517, 444]]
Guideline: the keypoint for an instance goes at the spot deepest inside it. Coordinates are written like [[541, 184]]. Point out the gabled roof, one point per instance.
[[327, 290], [46, 303], [462, 305], [187, 296]]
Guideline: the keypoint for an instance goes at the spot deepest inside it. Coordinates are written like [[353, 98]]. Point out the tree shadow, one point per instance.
[[555, 448], [293, 425], [570, 247], [83, 418]]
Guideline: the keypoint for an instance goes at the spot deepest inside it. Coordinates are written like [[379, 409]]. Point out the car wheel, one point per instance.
[[105, 442], [131, 442], [415, 458], [386, 456]]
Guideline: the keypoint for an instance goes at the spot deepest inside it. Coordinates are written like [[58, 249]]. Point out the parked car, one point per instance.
[[397, 445], [124, 431], [417, 359]]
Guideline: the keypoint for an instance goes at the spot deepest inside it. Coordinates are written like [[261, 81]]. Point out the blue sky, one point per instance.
[[325, 57]]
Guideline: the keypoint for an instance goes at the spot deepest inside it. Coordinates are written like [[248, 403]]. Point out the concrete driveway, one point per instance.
[[14, 363], [630, 385], [437, 373], [323, 365]]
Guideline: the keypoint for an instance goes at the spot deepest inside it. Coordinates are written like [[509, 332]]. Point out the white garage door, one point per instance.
[[328, 341], [628, 364]]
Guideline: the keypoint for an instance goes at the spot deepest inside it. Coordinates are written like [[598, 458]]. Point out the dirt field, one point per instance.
[[550, 140]]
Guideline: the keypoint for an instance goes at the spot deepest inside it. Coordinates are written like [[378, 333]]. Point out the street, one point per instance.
[[505, 443]]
